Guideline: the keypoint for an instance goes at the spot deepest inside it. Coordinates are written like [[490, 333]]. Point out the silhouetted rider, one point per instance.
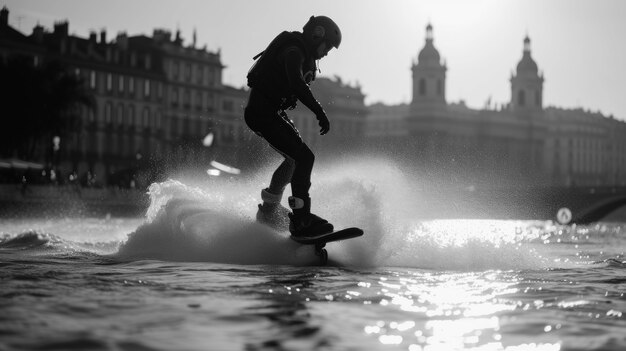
[[279, 78]]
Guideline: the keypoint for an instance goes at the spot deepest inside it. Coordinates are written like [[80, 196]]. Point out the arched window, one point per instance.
[[521, 98], [422, 87], [538, 98]]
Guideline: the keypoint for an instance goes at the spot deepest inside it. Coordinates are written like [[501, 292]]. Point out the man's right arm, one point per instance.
[[293, 65]]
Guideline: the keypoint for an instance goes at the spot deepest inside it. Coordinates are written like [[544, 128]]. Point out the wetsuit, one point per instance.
[[279, 77]]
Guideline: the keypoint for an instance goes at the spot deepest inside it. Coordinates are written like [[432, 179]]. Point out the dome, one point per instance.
[[429, 55], [527, 64]]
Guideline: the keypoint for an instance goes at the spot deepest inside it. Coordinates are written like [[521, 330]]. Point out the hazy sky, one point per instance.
[[580, 45]]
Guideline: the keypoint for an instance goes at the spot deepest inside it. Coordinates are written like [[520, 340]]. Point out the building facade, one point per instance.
[[519, 144], [161, 102], [156, 99], [161, 105]]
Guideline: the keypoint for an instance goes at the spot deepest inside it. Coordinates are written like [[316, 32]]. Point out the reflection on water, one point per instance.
[[442, 285], [283, 303], [446, 311], [407, 309]]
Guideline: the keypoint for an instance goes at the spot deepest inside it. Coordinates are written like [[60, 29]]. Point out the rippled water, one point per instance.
[[199, 274]]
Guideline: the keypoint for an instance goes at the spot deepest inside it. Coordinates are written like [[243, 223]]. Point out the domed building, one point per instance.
[[527, 83], [514, 145], [429, 75]]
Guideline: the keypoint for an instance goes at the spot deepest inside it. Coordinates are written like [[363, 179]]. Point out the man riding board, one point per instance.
[[279, 78]]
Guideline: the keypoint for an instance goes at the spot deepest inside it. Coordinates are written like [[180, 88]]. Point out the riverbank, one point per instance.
[[67, 200]]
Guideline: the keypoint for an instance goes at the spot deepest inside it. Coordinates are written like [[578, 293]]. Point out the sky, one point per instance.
[[579, 45]]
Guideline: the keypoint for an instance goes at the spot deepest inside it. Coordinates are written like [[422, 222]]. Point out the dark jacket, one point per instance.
[[283, 72]]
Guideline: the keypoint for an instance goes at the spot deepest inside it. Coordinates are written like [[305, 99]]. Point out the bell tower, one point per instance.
[[429, 75], [526, 84]]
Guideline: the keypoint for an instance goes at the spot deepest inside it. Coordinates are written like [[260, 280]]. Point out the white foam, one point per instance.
[[213, 221]]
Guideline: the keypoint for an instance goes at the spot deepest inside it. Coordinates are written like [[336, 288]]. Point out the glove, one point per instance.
[[323, 122]]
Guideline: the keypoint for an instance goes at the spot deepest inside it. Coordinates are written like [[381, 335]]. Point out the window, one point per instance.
[[120, 114], [92, 79], [199, 100], [422, 87], [521, 98], [187, 100], [120, 84], [148, 62], [228, 106], [108, 112], [155, 118], [131, 85], [146, 117], [137, 119], [175, 70], [130, 116], [538, 98], [439, 88], [210, 102], [146, 88], [160, 90], [187, 72], [174, 97], [109, 82]]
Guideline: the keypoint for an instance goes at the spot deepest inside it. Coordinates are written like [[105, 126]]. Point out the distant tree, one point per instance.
[[37, 103]]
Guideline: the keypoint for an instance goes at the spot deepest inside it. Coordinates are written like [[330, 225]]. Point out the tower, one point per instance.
[[429, 75], [526, 84], [4, 17]]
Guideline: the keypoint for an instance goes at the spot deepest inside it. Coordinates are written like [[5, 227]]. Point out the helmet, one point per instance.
[[322, 28]]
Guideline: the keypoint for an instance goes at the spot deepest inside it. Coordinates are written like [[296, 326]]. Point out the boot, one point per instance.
[[271, 213], [302, 223]]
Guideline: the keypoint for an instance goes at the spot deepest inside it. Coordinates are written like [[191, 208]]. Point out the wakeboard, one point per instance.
[[321, 240]]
